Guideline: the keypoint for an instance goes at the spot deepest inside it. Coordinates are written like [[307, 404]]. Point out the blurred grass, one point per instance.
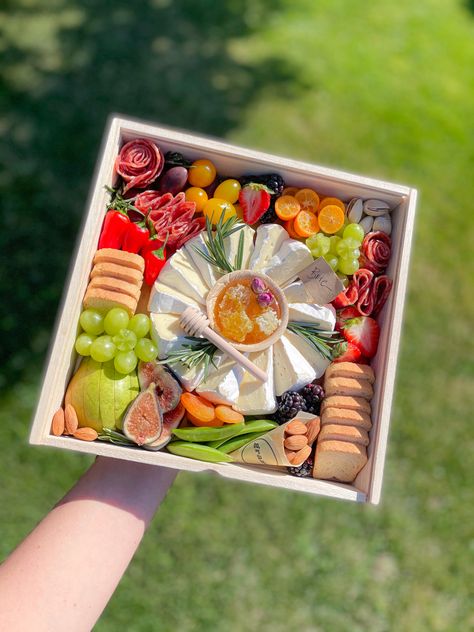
[[382, 89]]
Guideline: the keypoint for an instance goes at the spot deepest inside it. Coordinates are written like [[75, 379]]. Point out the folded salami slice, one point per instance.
[[380, 291], [195, 227], [376, 249], [347, 297]]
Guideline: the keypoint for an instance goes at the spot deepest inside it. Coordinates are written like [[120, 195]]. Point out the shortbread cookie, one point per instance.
[[346, 417], [120, 257], [347, 402], [116, 285], [348, 386], [339, 460], [115, 271], [351, 369], [340, 432], [103, 300]]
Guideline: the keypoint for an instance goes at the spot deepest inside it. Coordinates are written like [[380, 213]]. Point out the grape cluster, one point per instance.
[[341, 252], [115, 336]]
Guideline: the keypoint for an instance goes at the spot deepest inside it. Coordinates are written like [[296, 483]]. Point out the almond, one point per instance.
[[86, 434], [296, 442], [289, 455], [295, 428], [71, 420], [313, 427], [57, 424], [301, 456]]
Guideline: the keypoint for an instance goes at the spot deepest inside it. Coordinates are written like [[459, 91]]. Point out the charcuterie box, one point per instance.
[[234, 161]]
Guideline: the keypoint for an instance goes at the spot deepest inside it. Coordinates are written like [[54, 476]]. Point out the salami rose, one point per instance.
[[376, 249], [139, 163]]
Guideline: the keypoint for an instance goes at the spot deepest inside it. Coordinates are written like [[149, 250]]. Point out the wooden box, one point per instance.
[[233, 161]]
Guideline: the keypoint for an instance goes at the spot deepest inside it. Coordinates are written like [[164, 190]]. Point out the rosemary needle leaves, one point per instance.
[[216, 254], [323, 341]]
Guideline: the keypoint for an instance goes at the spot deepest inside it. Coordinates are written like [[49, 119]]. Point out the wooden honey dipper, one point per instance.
[[195, 323]]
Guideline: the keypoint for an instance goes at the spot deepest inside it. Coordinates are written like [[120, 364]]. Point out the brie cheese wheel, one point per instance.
[[290, 369], [231, 245], [309, 353], [256, 397], [268, 241], [166, 333], [284, 266], [296, 293], [221, 386], [318, 315], [165, 300], [208, 272], [180, 273]]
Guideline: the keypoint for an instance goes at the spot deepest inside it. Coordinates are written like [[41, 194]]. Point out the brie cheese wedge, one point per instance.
[[166, 333], [296, 293], [268, 241], [209, 273], [290, 369], [221, 386], [318, 315], [231, 246], [309, 353], [284, 266], [166, 300], [180, 273], [256, 397], [188, 378]]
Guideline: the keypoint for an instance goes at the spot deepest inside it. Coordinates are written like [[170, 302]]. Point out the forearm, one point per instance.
[[63, 574]]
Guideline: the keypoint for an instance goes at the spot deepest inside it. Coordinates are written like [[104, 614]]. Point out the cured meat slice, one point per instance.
[[347, 297], [139, 163], [194, 228], [376, 249], [380, 290]]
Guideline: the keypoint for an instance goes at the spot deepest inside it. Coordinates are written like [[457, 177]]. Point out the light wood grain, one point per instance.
[[233, 161]]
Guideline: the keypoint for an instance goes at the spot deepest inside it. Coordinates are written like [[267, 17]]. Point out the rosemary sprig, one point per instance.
[[324, 342], [118, 438], [214, 242], [118, 203], [199, 352]]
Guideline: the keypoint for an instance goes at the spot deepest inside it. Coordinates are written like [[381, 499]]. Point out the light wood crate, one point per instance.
[[234, 161]]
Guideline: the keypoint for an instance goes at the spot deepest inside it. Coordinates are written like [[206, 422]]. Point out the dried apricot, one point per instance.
[[287, 207], [334, 201], [308, 199], [195, 421], [305, 224], [199, 407], [331, 219], [227, 415]]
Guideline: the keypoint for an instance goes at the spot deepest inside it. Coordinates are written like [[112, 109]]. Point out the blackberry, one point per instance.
[[275, 182], [270, 216], [313, 395], [304, 470], [289, 405], [175, 159]]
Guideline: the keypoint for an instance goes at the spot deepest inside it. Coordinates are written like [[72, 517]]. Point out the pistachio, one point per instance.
[[383, 223], [367, 223], [354, 210], [376, 208]]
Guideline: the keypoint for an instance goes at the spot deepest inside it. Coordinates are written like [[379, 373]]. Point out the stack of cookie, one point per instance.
[[116, 280], [341, 451]]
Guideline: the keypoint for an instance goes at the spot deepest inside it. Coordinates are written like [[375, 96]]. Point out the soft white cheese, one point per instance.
[[221, 386], [166, 300], [309, 353], [296, 293], [256, 397], [268, 241], [209, 273], [290, 369], [318, 315], [231, 245], [180, 273], [189, 378], [166, 333], [284, 266]]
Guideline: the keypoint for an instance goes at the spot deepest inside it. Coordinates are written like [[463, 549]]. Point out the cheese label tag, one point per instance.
[[321, 282]]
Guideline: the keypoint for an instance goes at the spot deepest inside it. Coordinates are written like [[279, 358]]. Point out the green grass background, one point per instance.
[[382, 88]]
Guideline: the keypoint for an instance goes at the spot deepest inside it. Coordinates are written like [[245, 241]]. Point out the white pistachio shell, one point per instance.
[[383, 223], [355, 209], [367, 223], [376, 208]]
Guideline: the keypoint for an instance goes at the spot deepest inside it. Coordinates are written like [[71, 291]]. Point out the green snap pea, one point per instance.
[[260, 426], [205, 433], [237, 442], [197, 451]]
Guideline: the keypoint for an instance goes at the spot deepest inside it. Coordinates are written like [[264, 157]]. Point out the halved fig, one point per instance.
[[167, 387], [143, 420], [171, 420]]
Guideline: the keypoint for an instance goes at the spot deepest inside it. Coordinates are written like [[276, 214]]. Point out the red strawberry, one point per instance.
[[348, 352], [254, 200], [364, 332], [344, 314]]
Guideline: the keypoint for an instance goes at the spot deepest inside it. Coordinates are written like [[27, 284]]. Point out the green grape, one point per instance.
[[348, 265], [343, 278], [146, 350], [318, 244], [125, 340], [92, 322], [346, 247], [333, 241], [125, 361], [333, 260], [340, 232], [115, 320], [140, 325], [103, 349], [83, 344], [354, 231]]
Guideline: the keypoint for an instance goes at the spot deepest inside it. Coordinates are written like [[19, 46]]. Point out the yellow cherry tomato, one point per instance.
[[202, 173], [215, 207], [198, 196], [228, 190]]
